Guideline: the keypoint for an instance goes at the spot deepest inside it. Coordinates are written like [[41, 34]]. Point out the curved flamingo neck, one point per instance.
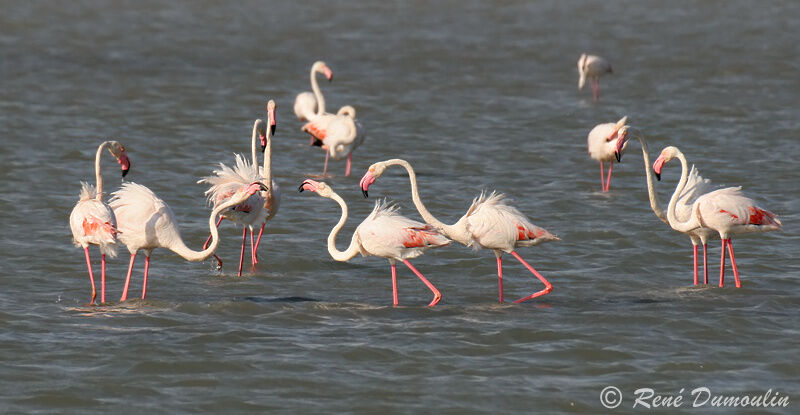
[[267, 160], [456, 232], [651, 184], [97, 172], [180, 248], [351, 250], [317, 92], [692, 222]]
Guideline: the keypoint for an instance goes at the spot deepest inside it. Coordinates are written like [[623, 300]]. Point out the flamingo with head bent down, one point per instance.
[[92, 220], [605, 142], [591, 66], [727, 211], [384, 233], [490, 222]]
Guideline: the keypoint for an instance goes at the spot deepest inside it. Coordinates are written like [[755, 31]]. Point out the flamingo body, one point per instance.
[[606, 142]]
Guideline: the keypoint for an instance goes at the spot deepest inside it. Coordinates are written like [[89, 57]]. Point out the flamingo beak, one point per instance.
[[300, 189], [366, 181], [263, 187], [618, 156], [328, 73], [271, 117], [657, 166], [263, 139], [125, 163]]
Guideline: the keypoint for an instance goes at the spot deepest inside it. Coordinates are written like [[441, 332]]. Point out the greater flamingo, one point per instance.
[[146, 222], [602, 143], [490, 222], [93, 222], [727, 211], [272, 197], [343, 135], [307, 105], [696, 185], [591, 66], [384, 233]]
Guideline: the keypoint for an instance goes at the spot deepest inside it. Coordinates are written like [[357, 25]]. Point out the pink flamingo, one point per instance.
[[146, 222], [384, 233], [603, 146], [591, 66], [93, 222], [490, 222], [308, 105], [695, 186], [727, 211], [338, 135], [272, 197]]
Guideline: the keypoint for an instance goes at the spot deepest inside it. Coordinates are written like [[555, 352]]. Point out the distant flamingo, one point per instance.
[[92, 221], [146, 222], [384, 233], [727, 211], [272, 197], [695, 186], [307, 105], [490, 222], [344, 134], [602, 144], [591, 66]]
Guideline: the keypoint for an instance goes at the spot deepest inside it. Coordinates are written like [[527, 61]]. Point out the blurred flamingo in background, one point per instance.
[[146, 222], [342, 135], [92, 220], [727, 211], [308, 105], [384, 233], [490, 222], [591, 66], [602, 144]]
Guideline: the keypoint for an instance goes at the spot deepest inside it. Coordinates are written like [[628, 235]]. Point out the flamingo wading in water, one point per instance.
[[591, 66], [272, 197], [93, 222], [727, 211], [384, 233], [490, 222], [605, 142], [146, 222]]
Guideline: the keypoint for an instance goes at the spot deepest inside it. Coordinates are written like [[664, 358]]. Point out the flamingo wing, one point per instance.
[[388, 234], [495, 224], [729, 207]]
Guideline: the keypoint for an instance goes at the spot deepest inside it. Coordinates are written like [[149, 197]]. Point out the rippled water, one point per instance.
[[477, 95]]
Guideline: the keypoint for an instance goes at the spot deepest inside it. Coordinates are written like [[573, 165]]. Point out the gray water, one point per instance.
[[477, 95]]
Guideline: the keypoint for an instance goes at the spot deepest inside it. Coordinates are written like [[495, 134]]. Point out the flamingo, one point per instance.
[[308, 105], [272, 197], [727, 211], [384, 233], [146, 222], [343, 135], [490, 222], [602, 144], [696, 185], [93, 222], [591, 66]]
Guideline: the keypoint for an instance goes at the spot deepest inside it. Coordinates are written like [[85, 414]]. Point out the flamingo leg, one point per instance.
[[394, 284], [436, 294], [547, 286], [205, 245], [258, 240], [103, 280], [91, 274], [733, 265], [500, 277], [705, 264], [695, 264], [349, 164], [325, 168], [602, 177], [253, 258], [722, 265], [128, 279], [146, 271], [608, 181], [241, 255], [596, 88]]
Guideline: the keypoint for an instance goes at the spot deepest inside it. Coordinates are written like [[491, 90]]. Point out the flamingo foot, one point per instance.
[[437, 296], [547, 286]]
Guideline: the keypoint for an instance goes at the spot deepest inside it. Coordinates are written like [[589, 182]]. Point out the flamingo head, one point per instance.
[[321, 67], [245, 192], [347, 110], [262, 133], [321, 188], [666, 155], [622, 142], [260, 128], [373, 172], [118, 151]]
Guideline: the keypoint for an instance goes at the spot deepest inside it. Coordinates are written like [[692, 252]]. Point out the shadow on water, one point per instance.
[[292, 299]]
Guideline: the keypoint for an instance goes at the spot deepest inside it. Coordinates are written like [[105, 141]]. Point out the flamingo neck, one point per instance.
[[267, 161], [692, 222], [97, 172], [180, 248], [317, 92], [651, 184], [354, 248], [457, 232], [253, 144]]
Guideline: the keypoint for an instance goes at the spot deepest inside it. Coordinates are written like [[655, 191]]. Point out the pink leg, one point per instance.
[[241, 255], [91, 274], [608, 181], [722, 265], [146, 271], [547, 286], [695, 264], [436, 294], [602, 177], [349, 163], [253, 258], [128, 279], [596, 88], [500, 277], [325, 169], [705, 265], [258, 240], [208, 241], [311, 140], [733, 265], [394, 284], [103, 281]]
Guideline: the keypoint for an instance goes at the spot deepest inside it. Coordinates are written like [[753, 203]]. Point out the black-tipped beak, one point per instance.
[[300, 189], [125, 172], [330, 79], [263, 187], [658, 176], [618, 156], [263, 148], [272, 129], [365, 193]]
